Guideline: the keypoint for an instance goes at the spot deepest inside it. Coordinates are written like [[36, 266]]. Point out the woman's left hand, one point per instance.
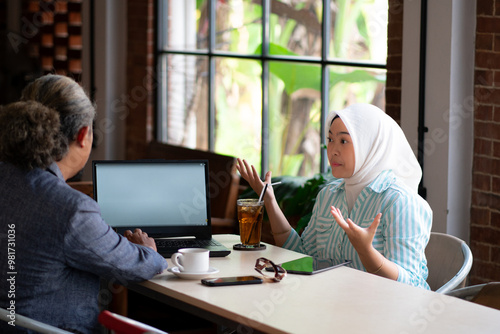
[[361, 238]]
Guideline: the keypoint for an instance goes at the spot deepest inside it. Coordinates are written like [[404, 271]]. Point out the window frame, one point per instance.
[[265, 58]]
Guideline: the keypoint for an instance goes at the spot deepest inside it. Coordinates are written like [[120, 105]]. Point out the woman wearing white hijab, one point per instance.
[[387, 224]]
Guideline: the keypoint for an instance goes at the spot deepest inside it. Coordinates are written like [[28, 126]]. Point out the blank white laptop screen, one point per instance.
[[152, 194]]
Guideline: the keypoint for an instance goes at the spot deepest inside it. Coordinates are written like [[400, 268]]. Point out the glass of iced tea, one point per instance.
[[250, 214]]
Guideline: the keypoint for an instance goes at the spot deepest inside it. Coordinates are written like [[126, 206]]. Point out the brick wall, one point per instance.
[[140, 76], [49, 40], [57, 35], [485, 210], [394, 60]]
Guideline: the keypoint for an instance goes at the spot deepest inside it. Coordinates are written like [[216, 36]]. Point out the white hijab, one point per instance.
[[379, 144]]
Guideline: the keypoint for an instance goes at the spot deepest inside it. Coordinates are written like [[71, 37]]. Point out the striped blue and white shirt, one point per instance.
[[401, 236]]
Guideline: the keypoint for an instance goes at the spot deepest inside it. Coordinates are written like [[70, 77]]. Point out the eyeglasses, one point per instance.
[[262, 263]]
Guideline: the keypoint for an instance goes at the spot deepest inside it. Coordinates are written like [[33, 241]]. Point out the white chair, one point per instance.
[[119, 324], [449, 261], [28, 323], [487, 294], [466, 293]]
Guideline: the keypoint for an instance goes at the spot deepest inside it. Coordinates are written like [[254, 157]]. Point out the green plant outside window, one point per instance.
[[269, 93]]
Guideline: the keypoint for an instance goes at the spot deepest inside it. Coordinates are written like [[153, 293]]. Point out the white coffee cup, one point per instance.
[[191, 260]]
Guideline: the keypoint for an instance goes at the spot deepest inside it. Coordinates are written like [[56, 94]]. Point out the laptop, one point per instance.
[[167, 199]]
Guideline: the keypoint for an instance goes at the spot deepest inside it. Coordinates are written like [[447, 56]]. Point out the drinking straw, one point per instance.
[[262, 193]]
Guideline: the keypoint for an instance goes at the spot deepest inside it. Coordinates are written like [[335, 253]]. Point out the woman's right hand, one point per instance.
[[279, 224], [249, 173]]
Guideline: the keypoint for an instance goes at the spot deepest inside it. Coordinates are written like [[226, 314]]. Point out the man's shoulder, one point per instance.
[[63, 192]]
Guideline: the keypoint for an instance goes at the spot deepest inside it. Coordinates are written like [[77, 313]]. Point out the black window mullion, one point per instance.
[[211, 103], [265, 87], [265, 118], [161, 72], [211, 76], [325, 83], [282, 58]]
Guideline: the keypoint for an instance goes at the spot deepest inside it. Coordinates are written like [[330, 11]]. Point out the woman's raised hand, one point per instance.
[[249, 173], [361, 238]]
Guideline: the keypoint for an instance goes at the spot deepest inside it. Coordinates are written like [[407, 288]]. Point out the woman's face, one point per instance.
[[340, 150]]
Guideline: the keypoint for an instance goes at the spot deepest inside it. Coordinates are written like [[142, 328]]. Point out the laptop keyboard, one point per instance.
[[187, 243], [167, 247]]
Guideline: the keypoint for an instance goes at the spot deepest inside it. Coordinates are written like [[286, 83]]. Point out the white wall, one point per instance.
[[110, 58], [448, 110], [461, 118]]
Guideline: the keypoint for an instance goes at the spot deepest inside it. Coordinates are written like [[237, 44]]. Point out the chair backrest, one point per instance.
[[123, 325], [449, 261], [28, 323], [486, 294]]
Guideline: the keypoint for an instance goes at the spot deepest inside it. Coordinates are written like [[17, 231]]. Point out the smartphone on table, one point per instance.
[[234, 280]]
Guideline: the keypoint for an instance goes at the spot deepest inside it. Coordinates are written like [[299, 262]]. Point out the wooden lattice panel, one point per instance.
[[58, 39]]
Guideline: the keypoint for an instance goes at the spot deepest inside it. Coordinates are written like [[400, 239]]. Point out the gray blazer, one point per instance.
[[55, 246]]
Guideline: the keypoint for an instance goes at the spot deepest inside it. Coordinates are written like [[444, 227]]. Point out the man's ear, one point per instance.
[[82, 134]]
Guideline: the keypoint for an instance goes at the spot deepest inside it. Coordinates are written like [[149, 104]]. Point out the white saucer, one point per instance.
[[188, 275]]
